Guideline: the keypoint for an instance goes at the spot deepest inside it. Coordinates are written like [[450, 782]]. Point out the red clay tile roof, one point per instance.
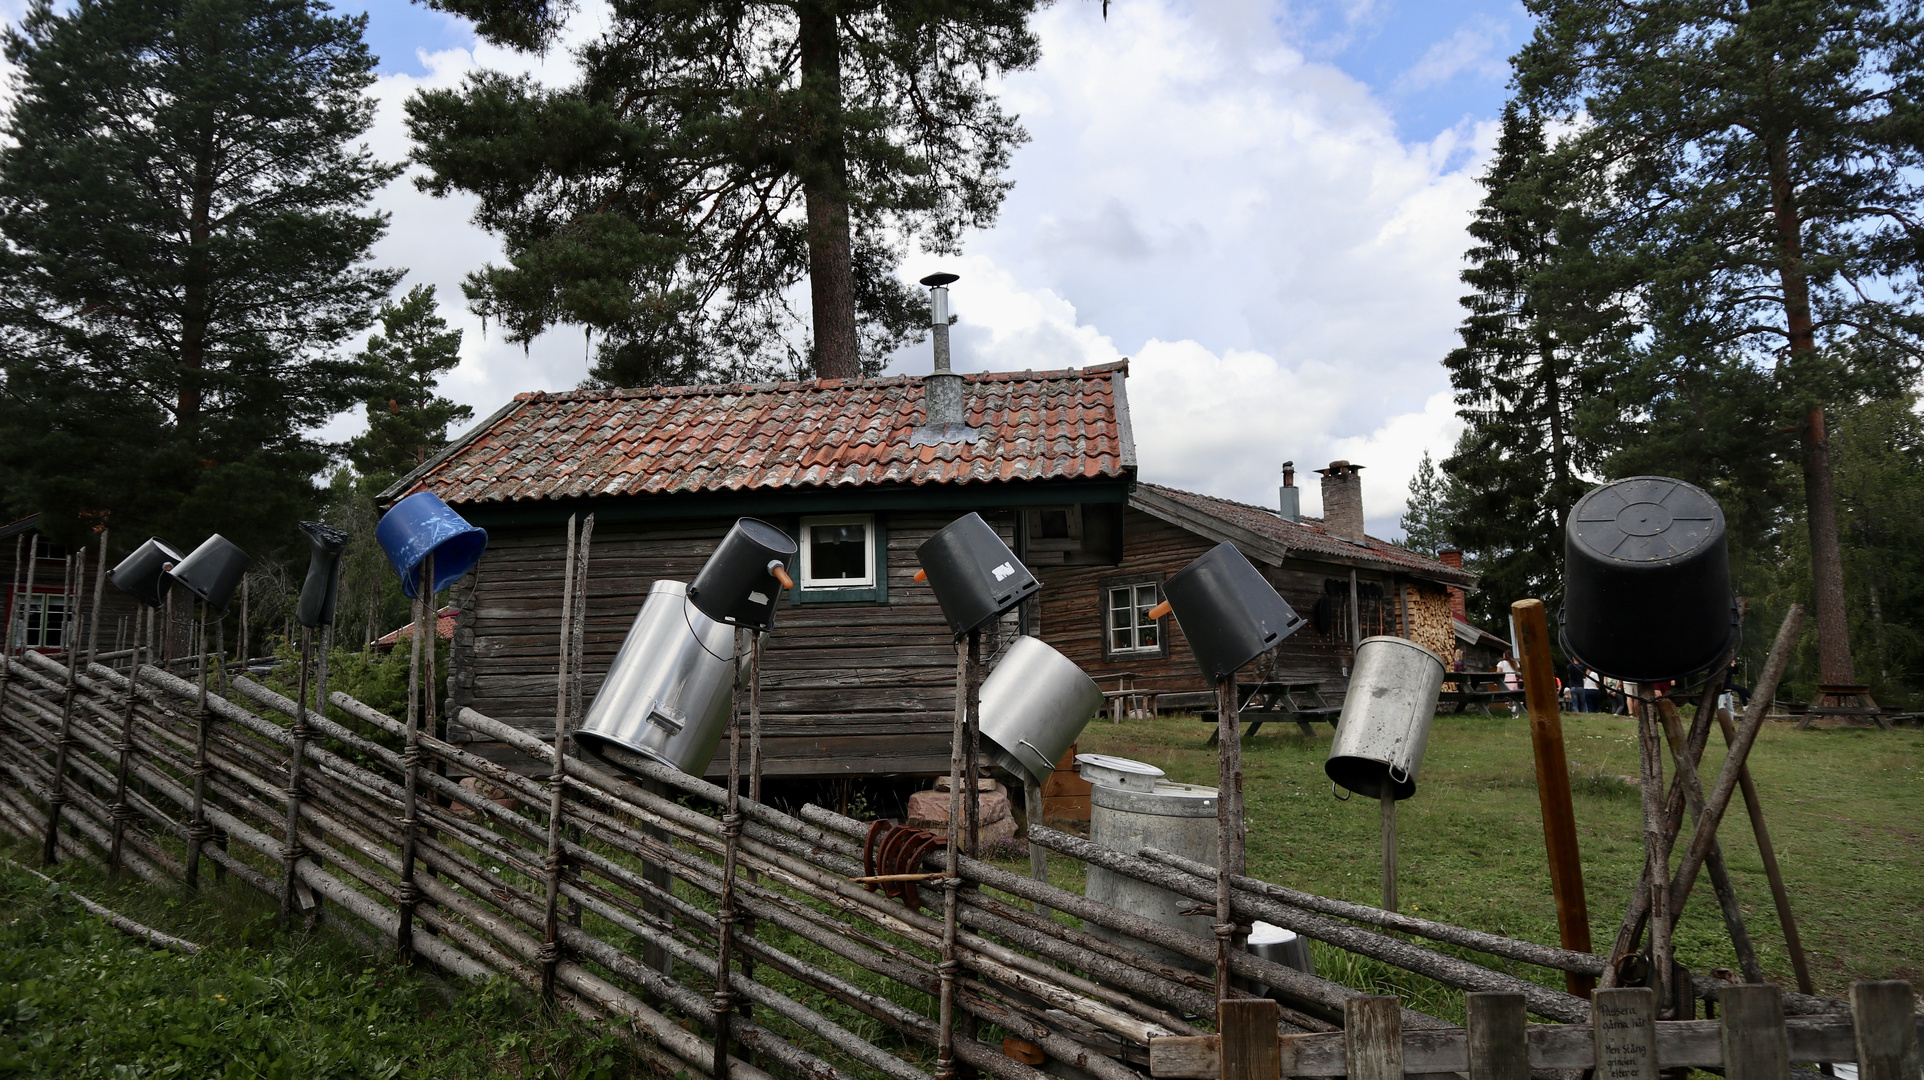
[[1308, 538], [443, 629], [822, 433]]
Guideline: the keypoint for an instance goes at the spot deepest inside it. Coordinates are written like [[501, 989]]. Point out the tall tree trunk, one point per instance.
[[195, 290], [831, 264], [1820, 500]]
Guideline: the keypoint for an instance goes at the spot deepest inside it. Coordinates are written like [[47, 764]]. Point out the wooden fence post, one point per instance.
[[557, 779], [410, 894], [1373, 1038], [198, 831], [1755, 1042], [1229, 827], [76, 569], [1251, 1046], [123, 811], [1553, 784], [1498, 1030], [1624, 1028], [297, 756], [1881, 1014], [725, 913]]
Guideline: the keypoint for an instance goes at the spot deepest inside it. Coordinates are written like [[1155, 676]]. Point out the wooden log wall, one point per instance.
[[1074, 613], [847, 687]]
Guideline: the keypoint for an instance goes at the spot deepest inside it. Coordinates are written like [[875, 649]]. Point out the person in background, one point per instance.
[[1573, 678], [1510, 680], [1592, 691]]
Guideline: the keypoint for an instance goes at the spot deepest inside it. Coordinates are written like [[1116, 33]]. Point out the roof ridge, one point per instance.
[[616, 393]]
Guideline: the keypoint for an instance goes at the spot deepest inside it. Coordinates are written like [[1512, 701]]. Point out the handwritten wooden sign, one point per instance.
[[1626, 1033]]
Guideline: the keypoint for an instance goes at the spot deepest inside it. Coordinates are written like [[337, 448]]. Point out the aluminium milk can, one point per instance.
[[1386, 717], [1132, 807]]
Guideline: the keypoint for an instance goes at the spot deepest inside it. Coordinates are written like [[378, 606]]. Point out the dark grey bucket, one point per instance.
[[1229, 613], [1646, 580], [143, 573], [738, 585], [974, 574], [212, 571], [324, 546]]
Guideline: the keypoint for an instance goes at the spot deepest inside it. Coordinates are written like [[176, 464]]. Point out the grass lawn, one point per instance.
[[1842, 805]]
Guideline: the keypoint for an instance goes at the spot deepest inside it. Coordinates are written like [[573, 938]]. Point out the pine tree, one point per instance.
[[1429, 513], [1763, 164], [407, 422], [713, 154], [1545, 325], [183, 202]]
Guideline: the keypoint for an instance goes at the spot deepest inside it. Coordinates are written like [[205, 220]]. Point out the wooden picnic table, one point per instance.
[[1479, 688], [1125, 700], [1259, 703]]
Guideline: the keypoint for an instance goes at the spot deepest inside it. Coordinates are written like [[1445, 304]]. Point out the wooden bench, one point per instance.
[[1259, 703], [1127, 701]]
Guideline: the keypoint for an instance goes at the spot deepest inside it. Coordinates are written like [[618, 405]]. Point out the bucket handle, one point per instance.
[[1403, 779], [1047, 765], [1334, 793]]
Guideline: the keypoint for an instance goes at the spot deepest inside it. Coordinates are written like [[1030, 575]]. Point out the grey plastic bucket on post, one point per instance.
[[672, 684], [143, 573], [1228, 611], [1034, 704], [1131, 807], [212, 571], [1646, 580], [324, 546], [738, 584], [1379, 739], [974, 574]]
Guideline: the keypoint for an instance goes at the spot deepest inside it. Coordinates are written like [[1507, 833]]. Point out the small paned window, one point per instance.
[[1131, 630], [42, 622], [838, 553]]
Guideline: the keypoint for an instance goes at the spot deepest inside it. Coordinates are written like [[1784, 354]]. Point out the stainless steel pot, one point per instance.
[[1386, 717], [1034, 704], [670, 689]]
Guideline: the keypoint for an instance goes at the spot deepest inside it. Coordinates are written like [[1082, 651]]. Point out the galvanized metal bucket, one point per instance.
[[1386, 717], [1034, 704], [670, 689], [1131, 808]]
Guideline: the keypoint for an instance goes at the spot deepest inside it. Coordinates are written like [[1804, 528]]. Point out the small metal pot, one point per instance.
[[739, 583], [422, 523], [1229, 613], [670, 689], [212, 571], [1386, 717], [1646, 580], [324, 546], [143, 573], [1280, 946], [974, 574], [1034, 704]]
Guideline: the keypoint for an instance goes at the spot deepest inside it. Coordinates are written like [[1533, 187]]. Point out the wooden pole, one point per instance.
[[557, 778], [1386, 801], [1779, 895], [123, 812], [949, 967], [198, 831], [1553, 783], [69, 621], [725, 914], [972, 756], [1726, 889], [410, 893], [1229, 830], [296, 760]]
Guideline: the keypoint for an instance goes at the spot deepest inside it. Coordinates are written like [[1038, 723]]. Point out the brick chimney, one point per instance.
[[1343, 500], [1453, 557]]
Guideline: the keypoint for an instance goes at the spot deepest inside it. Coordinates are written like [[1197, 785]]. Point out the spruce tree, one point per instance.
[[1429, 512], [1764, 165], [183, 200], [1544, 327], [713, 154], [407, 422]]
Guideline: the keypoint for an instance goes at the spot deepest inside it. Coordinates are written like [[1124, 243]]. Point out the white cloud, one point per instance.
[[1476, 48]]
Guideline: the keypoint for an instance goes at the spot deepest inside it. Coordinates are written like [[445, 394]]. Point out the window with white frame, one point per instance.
[[838, 552], [41, 622], [1131, 632]]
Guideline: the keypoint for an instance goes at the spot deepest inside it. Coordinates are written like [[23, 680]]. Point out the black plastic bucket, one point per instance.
[[212, 571], [974, 574], [143, 573], [1646, 580], [324, 546], [1229, 613], [738, 585]]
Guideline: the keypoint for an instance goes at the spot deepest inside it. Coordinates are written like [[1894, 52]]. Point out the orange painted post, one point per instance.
[[1553, 782]]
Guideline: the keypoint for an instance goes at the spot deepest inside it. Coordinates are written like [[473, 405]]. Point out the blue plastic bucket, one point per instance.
[[421, 524]]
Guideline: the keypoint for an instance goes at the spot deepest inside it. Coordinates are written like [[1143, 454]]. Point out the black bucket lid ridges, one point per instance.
[[212, 571], [1646, 591], [142, 574], [974, 574], [1229, 612], [318, 591], [737, 584]]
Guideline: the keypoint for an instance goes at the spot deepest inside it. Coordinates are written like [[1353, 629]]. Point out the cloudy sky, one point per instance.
[[1261, 204]]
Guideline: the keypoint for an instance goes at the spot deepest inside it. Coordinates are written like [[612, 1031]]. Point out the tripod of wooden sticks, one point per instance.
[[1661, 893]]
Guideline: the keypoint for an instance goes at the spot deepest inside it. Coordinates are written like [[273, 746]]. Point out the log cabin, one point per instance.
[[35, 615], [859, 672], [1347, 584]]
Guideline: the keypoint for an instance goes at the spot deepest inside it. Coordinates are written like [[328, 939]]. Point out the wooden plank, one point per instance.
[[1498, 1037], [1186, 1057], [1248, 1039], [1624, 1026], [1755, 1043], [1886, 1029], [1373, 1038]]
